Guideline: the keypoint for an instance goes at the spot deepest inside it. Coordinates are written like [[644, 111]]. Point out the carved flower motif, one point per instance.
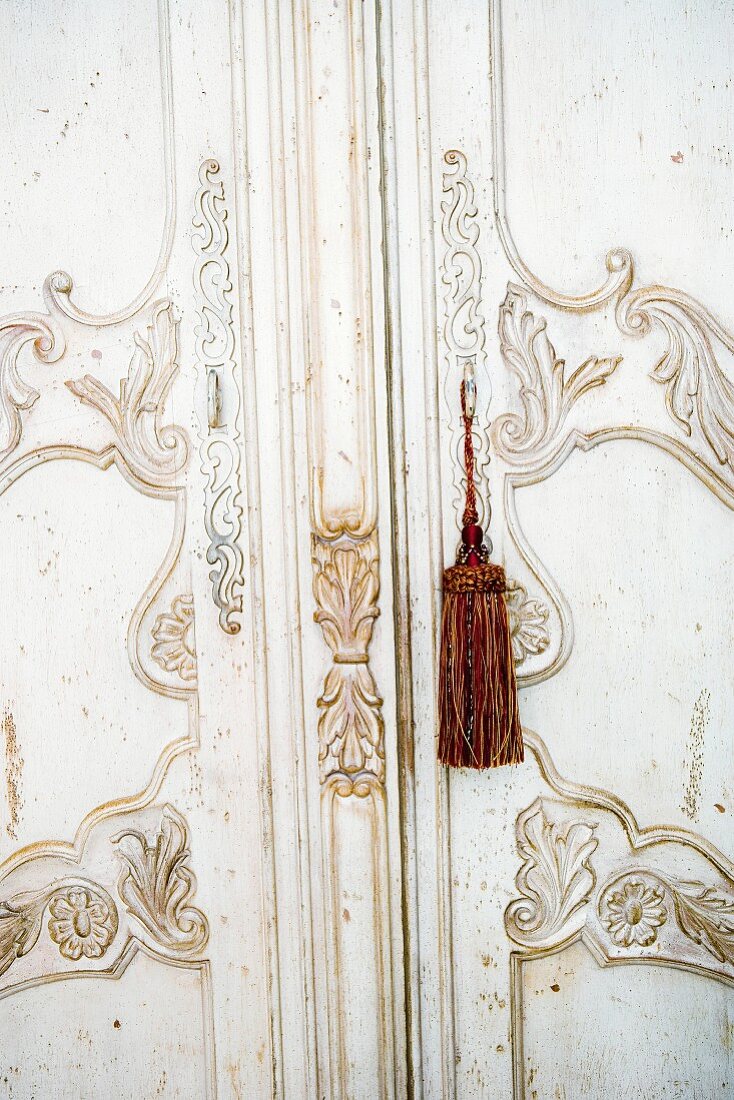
[[528, 619], [634, 914], [81, 924], [175, 644]]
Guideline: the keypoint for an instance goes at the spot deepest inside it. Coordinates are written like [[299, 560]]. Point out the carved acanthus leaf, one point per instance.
[[546, 393], [153, 451], [697, 390], [706, 916], [157, 885], [528, 622], [556, 878], [346, 587]]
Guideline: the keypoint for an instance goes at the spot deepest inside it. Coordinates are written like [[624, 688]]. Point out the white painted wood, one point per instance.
[[285, 226], [613, 520]]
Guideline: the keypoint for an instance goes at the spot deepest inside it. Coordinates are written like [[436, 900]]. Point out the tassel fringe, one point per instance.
[[479, 720]]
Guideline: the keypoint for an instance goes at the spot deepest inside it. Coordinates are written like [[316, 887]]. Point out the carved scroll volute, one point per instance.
[[556, 879], [17, 331]]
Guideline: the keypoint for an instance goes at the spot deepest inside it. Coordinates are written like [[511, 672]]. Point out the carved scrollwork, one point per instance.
[[174, 647], [528, 622], [153, 451], [546, 393], [83, 921], [157, 885], [699, 396], [346, 586], [16, 332], [556, 879], [215, 344], [464, 331]]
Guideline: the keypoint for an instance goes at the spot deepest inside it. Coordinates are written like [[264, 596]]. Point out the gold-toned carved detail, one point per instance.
[[640, 911], [157, 885], [154, 452], [83, 921], [698, 393], [16, 332], [547, 395], [174, 646], [528, 622], [556, 879], [699, 396], [631, 909], [346, 587], [464, 333], [218, 431]]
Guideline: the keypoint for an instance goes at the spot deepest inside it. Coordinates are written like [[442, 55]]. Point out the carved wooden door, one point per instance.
[[558, 204], [132, 950], [249, 246], [200, 885]]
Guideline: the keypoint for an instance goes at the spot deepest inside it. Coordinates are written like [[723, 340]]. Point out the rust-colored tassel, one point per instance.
[[478, 713]]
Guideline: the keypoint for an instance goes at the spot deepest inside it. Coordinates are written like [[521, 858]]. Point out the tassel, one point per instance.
[[478, 713]]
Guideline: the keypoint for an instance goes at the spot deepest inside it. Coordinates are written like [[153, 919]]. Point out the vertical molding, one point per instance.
[[411, 176], [337, 91]]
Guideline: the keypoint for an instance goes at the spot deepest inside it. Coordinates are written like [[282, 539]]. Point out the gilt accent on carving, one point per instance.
[[556, 879], [157, 885], [83, 921], [174, 647], [547, 394], [346, 586], [215, 350], [152, 450]]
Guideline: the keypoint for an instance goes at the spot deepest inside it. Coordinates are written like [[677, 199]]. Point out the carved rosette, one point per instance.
[[640, 911], [83, 921], [634, 906], [346, 586], [155, 891], [174, 642], [215, 348], [528, 622]]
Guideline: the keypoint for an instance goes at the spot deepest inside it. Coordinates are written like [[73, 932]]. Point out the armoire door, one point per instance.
[[558, 217], [200, 886], [133, 950], [250, 248]]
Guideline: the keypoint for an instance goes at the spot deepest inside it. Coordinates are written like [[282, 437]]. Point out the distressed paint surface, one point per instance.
[[230, 865]]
